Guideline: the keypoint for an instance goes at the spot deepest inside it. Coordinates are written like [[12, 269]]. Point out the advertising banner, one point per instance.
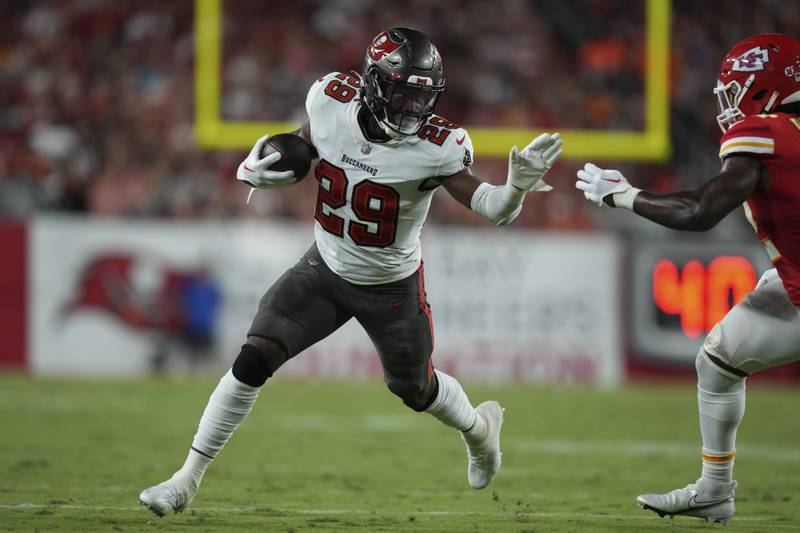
[[134, 297]]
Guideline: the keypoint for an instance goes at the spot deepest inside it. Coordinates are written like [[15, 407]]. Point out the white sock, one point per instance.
[[452, 407], [227, 407], [721, 403], [194, 467]]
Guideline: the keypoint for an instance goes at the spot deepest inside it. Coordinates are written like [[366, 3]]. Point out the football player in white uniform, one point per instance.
[[382, 154]]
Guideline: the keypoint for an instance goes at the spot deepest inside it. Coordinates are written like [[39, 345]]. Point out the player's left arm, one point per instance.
[[696, 210], [526, 168]]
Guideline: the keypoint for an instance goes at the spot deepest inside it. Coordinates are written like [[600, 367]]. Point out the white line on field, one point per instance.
[[402, 423], [271, 510], [647, 448]]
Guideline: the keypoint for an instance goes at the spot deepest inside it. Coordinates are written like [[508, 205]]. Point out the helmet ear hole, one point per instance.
[[760, 94]]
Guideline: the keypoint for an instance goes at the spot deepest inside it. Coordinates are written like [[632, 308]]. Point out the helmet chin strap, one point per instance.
[[387, 129], [748, 82], [384, 129], [391, 132], [771, 102]]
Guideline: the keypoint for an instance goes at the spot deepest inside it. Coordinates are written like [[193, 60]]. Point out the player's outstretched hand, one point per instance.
[[527, 167], [255, 171], [597, 184]]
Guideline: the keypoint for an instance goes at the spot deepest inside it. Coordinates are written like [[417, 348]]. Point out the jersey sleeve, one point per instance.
[[458, 153], [315, 100], [751, 135], [316, 94]]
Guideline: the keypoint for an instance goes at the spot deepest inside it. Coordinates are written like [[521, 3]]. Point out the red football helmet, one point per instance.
[[757, 75]]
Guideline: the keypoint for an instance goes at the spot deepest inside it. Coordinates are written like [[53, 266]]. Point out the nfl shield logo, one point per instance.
[[366, 148]]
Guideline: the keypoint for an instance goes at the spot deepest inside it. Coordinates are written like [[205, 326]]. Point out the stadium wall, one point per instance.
[[82, 296], [113, 298]]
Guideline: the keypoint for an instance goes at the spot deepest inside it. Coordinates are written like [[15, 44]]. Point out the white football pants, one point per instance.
[[760, 332]]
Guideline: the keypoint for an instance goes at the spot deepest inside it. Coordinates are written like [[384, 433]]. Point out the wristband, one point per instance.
[[500, 204], [625, 199]]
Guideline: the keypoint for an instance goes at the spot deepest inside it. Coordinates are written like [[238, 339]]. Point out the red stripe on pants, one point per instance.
[[424, 302]]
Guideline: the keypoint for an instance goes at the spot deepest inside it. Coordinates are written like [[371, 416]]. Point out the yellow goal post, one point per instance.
[[650, 144]]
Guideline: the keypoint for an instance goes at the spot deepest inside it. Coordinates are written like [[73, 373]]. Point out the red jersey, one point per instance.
[[775, 213]]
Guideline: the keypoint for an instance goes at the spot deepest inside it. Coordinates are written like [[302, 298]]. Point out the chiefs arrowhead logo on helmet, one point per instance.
[[381, 46], [751, 60]]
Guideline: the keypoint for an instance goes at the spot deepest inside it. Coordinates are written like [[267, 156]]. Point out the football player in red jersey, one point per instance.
[[759, 102]]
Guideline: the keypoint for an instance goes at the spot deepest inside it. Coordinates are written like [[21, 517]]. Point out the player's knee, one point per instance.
[[258, 360], [715, 376], [411, 394], [416, 397]]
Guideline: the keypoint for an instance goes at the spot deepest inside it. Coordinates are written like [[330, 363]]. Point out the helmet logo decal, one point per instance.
[[752, 60], [381, 46], [420, 80]]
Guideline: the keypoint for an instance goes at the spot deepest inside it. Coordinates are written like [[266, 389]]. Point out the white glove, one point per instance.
[[256, 173], [597, 184], [527, 167]]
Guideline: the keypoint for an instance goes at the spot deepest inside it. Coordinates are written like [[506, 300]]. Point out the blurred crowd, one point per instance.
[[96, 96]]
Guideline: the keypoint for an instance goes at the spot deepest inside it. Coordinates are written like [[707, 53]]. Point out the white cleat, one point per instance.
[[173, 495], [693, 500], [484, 453]]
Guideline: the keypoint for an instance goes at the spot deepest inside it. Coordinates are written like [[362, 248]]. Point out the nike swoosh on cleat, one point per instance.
[[461, 140], [694, 504]]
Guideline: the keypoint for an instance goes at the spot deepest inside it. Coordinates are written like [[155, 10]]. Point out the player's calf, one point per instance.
[[228, 406]]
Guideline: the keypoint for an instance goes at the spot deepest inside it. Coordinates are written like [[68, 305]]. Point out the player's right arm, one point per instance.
[[696, 210], [256, 172], [743, 148]]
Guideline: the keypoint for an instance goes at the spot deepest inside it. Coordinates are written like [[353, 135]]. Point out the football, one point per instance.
[[296, 153]]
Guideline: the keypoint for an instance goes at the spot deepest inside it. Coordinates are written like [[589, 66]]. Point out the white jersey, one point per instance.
[[373, 197]]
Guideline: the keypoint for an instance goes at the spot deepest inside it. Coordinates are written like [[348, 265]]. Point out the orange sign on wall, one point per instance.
[[701, 295]]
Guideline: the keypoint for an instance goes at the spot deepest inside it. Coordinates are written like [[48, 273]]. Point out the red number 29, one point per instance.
[[371, 202]]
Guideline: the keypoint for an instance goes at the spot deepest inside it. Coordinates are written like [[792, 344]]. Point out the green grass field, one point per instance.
[[349, 457]]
